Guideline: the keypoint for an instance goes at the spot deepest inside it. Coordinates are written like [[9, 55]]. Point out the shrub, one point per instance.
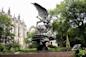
[[28, 50], [2, 47], [80, 53], [56, 49]]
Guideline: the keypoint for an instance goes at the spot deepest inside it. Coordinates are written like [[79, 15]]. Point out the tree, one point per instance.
[[61, 26], [5, 28], [29, 39], [72, 12]]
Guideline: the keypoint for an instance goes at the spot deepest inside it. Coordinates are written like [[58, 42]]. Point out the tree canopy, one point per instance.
[[6, 27], [71, 21]]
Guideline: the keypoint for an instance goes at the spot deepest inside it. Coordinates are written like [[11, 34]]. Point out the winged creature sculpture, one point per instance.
[[43, 31], [43, 14], [41, 11]]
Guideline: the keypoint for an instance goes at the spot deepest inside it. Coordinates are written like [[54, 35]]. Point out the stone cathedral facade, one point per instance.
[[19, 29]]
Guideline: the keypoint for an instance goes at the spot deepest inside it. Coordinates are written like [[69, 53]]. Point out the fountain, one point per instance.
[[44, 32]]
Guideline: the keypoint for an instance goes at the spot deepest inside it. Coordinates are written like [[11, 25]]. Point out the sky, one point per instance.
[[26, 10]]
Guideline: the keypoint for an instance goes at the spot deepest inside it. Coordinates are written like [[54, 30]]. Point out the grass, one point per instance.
[[57, 49], [28, 50], [32, 50]]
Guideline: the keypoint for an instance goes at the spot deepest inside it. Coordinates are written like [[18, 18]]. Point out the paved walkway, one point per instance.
[[41, 54]]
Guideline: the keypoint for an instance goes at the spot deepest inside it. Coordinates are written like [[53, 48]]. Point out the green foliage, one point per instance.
[[15, 47], [29, 39], [9, 48], [29, 36], [5, 32], [71, 20], [61, 27], [80, 53], [1, 47], [5, 26], [57, 49], [28, 50], [33, 45]]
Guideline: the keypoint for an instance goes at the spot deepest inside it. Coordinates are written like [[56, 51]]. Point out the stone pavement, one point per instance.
[[42, 54]]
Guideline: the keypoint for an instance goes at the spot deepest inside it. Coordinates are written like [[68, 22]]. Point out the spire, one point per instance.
[[9, 11], [14, 16], [19, 16], [2, 10]]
